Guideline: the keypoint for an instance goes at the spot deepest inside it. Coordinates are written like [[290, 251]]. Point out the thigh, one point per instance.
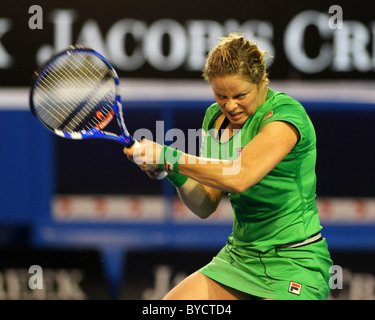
[[197, 286]]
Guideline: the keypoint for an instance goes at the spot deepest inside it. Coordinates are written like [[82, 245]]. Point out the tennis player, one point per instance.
[[276, 250]]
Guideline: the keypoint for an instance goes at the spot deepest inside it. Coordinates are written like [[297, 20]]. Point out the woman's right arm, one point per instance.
[[200, 199]]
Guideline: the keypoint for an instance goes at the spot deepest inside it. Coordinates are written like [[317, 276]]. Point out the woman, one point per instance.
[[276, 250]]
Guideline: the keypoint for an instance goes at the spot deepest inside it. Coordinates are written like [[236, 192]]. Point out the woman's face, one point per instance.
[[238, 98]]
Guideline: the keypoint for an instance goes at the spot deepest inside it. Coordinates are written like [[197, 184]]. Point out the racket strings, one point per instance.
[[60, 114], [77, 91], [48, 83], [71, 73], [88, 82], [63, 75]]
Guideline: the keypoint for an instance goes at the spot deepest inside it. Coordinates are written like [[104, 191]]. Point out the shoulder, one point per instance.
[[282, 105], [288, 109], [281, 102], [212, 112]]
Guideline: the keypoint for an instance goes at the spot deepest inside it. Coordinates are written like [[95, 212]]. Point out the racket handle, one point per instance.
[[162, 174], [135, 144]]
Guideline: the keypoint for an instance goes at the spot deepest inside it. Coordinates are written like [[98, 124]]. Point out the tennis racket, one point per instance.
[[76, 94]]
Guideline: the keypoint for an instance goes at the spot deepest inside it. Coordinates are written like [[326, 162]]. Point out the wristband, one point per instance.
[[169, 159], [177, 179]]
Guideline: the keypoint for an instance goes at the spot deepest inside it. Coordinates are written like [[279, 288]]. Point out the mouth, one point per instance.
[[235, 115]]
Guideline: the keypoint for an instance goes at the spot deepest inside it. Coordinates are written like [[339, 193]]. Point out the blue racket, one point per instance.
[[76, 94]]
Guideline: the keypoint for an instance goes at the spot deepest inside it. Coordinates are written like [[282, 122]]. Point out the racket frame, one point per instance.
[[125, 138]]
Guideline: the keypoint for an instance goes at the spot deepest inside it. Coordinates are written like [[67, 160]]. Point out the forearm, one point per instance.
[[219, 174], [257, 159], [201, 200]]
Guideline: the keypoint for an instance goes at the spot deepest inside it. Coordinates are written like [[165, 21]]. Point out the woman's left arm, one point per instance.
[[257, 159]]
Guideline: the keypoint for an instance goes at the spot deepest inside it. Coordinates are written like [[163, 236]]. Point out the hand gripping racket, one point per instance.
[[76, 94]]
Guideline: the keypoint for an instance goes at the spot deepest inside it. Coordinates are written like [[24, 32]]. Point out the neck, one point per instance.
[[266, 89]]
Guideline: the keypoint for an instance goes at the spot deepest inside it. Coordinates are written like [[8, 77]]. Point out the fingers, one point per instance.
[[145, 151], [135, 153], [145, 154], [153, 174]]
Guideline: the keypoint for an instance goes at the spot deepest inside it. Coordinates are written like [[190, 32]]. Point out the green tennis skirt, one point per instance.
[[282, 273]]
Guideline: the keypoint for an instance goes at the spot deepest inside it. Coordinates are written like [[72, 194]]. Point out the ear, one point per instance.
[[264, 81]]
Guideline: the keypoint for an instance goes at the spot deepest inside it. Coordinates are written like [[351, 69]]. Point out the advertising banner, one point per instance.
[[39, 274], [170, 39], [150, 275]]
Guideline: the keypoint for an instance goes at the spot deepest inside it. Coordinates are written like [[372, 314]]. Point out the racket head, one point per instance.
[[76, 94]]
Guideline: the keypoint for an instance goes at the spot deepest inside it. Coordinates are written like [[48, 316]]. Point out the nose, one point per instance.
[[230, 105]]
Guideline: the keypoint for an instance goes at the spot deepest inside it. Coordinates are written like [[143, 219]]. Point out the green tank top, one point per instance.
[[281, 208]]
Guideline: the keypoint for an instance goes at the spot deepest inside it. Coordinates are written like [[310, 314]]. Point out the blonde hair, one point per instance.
[[235, 55]]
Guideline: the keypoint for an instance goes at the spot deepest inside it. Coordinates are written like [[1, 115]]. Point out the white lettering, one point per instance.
[[90, 36], [208, 309], [336, 281], [36, 280], [153, 46], [63, 21], [336, 21], [167, 44], [36, 20], [163, 283], [63, 37], [116, 43], [203, 36], [352, 285], [261, 32], [53, 284], [6, 61], [350, 48], [294, 42]]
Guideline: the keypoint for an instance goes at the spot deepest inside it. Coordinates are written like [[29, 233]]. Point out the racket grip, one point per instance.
[[162, 174]]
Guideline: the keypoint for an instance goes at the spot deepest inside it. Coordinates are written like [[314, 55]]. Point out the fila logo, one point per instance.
[[269, 114], [295, 288]]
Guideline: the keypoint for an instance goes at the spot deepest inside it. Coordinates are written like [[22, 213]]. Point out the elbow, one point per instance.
[[204, 214], [240, 187], [242, 181], [206, 211]]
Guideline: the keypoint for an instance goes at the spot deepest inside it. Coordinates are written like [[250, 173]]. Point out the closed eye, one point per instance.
[[221, 97], [240, 96]]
